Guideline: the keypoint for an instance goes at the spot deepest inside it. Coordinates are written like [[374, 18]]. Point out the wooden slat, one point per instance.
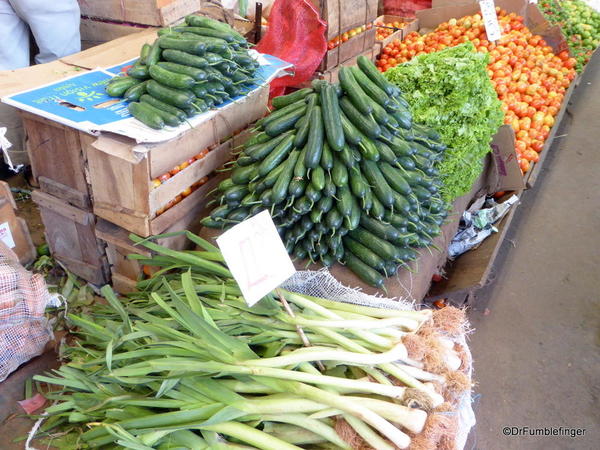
[[70, 195], [122, 284], [100, 31], [56, 205], [150, 12]]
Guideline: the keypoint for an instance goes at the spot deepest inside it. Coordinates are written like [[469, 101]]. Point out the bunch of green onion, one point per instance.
[[186, 363]]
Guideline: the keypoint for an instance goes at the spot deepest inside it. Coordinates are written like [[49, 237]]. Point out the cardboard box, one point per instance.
[[147, 12], [14, 232]]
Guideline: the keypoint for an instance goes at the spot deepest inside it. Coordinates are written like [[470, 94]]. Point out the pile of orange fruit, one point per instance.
[[333, 43], [529, 78], [384, 30]]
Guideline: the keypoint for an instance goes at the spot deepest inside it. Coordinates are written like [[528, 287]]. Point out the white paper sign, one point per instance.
[[256, 256], [490, 20], [6, 236]]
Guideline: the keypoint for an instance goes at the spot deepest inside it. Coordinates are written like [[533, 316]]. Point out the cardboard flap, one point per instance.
[[118, 146], [505, 173]]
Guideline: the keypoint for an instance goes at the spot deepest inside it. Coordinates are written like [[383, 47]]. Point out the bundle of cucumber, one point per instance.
[[345, 173], [187, 70]]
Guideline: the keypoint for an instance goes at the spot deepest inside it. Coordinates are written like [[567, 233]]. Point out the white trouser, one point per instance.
[[55, 27]]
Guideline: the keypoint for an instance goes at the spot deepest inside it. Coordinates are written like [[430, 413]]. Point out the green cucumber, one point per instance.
[[363, 122], [363, 271], [373, 91], [346, 156], [280, 189], [353, 136], [171, 79], [317, 178], [330, 189], [195, 73], [369, 150], [377, 209], [144, 53], [314, 145], [380, 229], [243, 175], [365, 254], [304, 128], [179, 98], [259, 151], [280, 113], [138, 71], [326, 158], [285, 123], [208, 32], [120, 85], [395, 179], [381, 247], [369, 69], [207, 22], [154, 54], [144, 114], [334, 219], [344, 203], [183, 58], [330, 109], [385, 152], [353, 219], [134, 93], [284, 100], [339, 173], [354, 91], [276, 156], [169, 119], [193, 47], [358, 185]]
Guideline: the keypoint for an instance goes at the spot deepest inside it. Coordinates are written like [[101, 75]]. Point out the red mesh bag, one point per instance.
[[296, 35], [404, 8]]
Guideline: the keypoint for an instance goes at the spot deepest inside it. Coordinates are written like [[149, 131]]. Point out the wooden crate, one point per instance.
[[411, 25], [346, 50], [122, 182], [343, 15], [95, 32], [57, 159], [13, 229], [332, 74], [147, 12], [71, 236]]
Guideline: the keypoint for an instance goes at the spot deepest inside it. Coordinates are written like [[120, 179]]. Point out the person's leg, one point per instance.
[[14, 43], [54, 24]]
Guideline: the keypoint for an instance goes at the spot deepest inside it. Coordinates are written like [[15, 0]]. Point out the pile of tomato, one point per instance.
[[384, 30], [529, 78]]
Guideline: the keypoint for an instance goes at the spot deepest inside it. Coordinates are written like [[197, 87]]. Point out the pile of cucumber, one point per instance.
[[345, 174], [188, 69]]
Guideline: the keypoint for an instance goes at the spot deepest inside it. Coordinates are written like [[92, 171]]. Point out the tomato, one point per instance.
[[524, 165], [156, 183], [174, 170], [186, 192], [537, 145], [549, 120], [164, 177], [520, 146], [531, 156]]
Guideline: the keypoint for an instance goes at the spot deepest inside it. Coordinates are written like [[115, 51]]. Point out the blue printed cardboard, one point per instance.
[[81, 102]]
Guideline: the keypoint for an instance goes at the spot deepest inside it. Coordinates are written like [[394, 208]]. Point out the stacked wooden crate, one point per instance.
[[14, 233], [105, 20], [342, 16]]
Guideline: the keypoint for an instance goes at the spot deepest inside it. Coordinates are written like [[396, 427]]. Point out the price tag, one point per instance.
[[6, 236], [256, 256], [490, 20]]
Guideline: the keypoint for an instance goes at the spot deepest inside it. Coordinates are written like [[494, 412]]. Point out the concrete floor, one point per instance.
[[536, 344]]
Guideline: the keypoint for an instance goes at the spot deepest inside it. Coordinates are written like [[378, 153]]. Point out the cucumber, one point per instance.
[[285, 123], [344, 203], [297, 187], [280, 189], [379, 229], [330, 109], [325, 204], [300, 168], [144, 53], [134, 93], [368, 150], [381, 247], [276, 156], [369, 69], [175, 97], [213, 58], [365, 254], [353, 136], [120, 85], [207, 22], [353, 219], [208, 32], [314, 145], [318, 85], [238, 215], [326, 158], [235, 193], [377, 209], [334, 219], [185, 59], [363, 271], [395, 179], [407, 163], [427, 131], [401, 204], [363, 122], [259, 151], [284, 100], [280, 113], [381, 188], [243, 175], [144, 114], [193, 47], [358, 185], [385, 152], [171, 79], [382, 117], [270, 180], [346, 156], [303, 125], [169, 119], [404, 119], [401, 147], [244, 160], [396, 220], [339, 173], [138, 71], [354, 91], [312, 194], [303, 205], [195, 73], [317, 178], [154, 54], [225, 184], [329, 190], [373, 91]]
